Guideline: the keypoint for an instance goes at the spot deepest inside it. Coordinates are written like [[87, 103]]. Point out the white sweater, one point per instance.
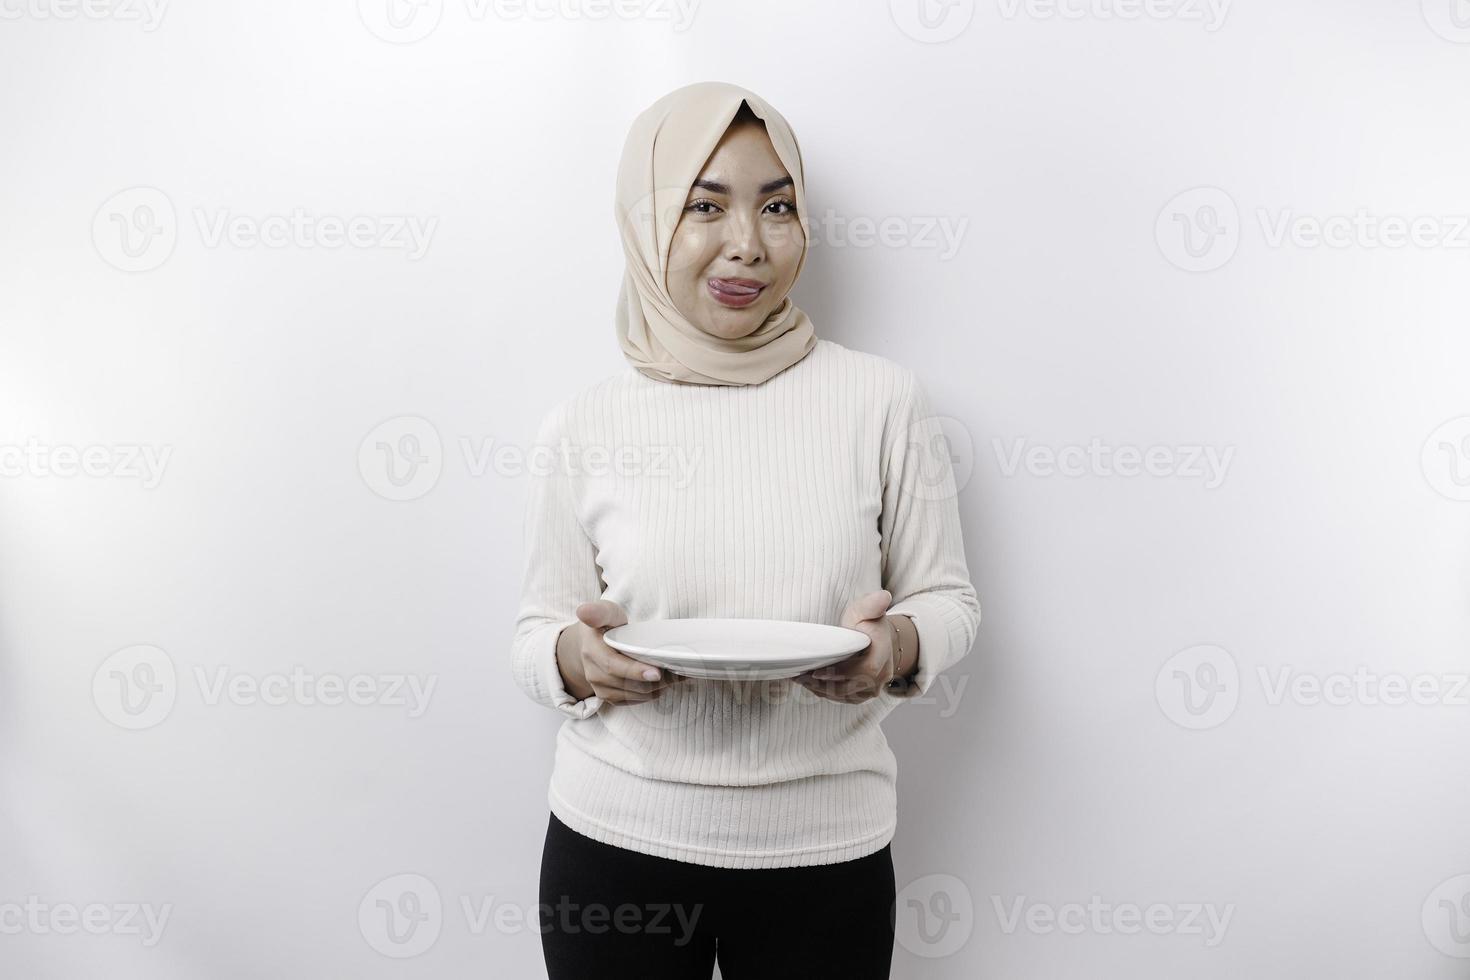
[[782, 500]]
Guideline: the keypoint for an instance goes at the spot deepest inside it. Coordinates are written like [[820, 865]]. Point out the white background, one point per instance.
[[1080, 763]]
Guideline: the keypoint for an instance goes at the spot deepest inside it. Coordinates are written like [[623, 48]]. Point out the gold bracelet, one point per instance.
[[898, 682]]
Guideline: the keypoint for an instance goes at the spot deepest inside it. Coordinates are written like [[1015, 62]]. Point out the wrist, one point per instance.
[[569, 664], [905, 648]]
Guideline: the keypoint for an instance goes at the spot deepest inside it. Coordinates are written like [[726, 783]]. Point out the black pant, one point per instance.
[[608, 912]]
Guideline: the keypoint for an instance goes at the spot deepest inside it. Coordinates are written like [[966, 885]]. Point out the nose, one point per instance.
[[743, 240]]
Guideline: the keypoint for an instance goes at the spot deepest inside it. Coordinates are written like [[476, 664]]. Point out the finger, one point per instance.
[[816, 687], [618, 664], [597, 674], [613, 667], [827, 693], [852, 689], [623, 695], [652, 695], [627, 697], [848, 666], [602, 613], [826, 689], [866, 663], [867, 607], [843, 665], [626, 687]]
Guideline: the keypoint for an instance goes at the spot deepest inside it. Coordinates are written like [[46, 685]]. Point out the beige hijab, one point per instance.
[[667, 146]]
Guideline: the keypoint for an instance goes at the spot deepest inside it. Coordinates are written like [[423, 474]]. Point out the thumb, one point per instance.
[[602, 613], [870, 606]]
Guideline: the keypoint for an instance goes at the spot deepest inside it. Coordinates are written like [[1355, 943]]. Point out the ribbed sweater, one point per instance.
[[781, 500]]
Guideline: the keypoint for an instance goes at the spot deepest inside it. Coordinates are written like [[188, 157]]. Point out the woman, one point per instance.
[[740, 467]]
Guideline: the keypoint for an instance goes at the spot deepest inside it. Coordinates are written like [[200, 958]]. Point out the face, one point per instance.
[[738, 243]]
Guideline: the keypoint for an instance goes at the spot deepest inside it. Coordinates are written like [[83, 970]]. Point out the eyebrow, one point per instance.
[[715, 187]]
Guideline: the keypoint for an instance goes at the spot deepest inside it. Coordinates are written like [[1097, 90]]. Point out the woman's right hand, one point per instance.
[[589, 666]]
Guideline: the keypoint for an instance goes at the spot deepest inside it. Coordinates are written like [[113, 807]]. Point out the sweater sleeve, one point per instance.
[[924, 564], [559, 573]]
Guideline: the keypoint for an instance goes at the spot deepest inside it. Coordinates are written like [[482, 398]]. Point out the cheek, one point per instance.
[[688, 254], [680, 280], [785, 257], [681, 276]]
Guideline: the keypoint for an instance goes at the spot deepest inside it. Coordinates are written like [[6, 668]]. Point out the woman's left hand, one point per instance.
[[860, 677]]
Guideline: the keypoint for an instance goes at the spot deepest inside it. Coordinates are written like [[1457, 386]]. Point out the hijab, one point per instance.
[[667, 146]]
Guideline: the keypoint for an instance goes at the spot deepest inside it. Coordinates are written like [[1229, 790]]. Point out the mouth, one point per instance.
[[735, 292]]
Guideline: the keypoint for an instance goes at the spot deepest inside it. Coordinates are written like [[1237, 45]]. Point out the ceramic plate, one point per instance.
[[736, 649]]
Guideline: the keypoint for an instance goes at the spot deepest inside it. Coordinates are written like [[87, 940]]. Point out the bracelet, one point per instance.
[[898, 683]]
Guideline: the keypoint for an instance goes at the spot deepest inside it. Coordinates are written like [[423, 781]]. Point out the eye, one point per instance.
[[790, 207], [700, 206]]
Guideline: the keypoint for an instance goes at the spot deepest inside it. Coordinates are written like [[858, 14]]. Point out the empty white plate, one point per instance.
[[736, 649]]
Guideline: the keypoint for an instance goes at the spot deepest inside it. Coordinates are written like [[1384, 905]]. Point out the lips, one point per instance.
[[735, 292], [739, 285]]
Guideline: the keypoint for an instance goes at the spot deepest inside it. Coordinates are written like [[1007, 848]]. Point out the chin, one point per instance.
[[733, 330], [731, 324]]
